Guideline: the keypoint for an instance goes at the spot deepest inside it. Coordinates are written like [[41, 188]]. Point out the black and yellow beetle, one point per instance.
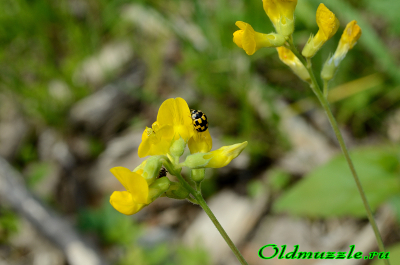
[[199, 120]]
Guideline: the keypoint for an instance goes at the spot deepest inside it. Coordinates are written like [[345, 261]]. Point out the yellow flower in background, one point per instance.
[[281, 14], [328, 25], [291, 60], [250, 41], [135, 197], [173, 122], [215, 159], [349, 38]]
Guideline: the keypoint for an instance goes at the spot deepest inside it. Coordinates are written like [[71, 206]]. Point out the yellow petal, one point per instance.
[[224, 155], [237, 37], [133, 183], [156, 141], [272, 11], [240, 24], [176, 112], [291, 60], [327, 22], [351, 34], [286, 8], [123, 202], [248, 40], [201, 142]]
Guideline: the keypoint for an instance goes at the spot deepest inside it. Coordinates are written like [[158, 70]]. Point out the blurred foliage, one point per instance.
[[109, 225], [330, 189], [8, 224], [114, 228], [394, 256], [43, 45]]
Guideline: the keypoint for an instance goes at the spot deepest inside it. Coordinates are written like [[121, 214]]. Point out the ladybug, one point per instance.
[[199, 120], [162, 173]]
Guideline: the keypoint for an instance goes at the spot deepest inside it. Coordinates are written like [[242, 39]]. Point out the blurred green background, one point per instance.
[[84, 73]]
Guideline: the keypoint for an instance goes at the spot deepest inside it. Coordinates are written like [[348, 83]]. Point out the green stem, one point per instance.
[[326, 89], [200, 200], [324, 102]]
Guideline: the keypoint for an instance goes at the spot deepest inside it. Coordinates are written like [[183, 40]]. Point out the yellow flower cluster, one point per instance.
[[165, 142], [281, 13]]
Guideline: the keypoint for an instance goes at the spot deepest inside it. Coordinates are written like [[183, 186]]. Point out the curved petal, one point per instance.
[[123, 202], [133, 183], [174, 112]]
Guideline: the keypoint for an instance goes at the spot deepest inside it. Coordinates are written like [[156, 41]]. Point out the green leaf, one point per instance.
[[330, 190]]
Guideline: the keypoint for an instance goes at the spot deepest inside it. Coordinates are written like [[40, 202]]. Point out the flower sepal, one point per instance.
[[177, 191], [150, 168], [285, 26], [158, 187], [329, 69], [178, 147], [197, 175]]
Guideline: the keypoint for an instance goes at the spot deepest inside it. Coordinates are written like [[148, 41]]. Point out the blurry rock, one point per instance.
[[51, 147], [13, 128], [153, 236], [111, 58], [310, 148], [60, 91], [121, 151], [103, 111], [237, 215], [41, 251], [310, 236], [12, 134]]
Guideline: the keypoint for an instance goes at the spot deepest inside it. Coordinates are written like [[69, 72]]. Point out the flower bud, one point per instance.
[[178, 147], [328, 25], [349, 38], [197, 175], [158, 187], [177, 191], [150, 168], [291, 60], [215, 159]]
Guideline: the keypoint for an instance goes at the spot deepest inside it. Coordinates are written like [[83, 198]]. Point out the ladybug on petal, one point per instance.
[[199, 120]]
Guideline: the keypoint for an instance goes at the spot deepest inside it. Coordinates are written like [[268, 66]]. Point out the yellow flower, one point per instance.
[[201, 142], [349, 38], [250, 41], [141, 186], [328, 25], [215, 159], [291, 60], [281, 14], [135, 197], [173, 121]]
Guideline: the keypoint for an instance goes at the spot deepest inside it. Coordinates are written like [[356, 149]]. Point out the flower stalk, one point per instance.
[[200, 201], [325, 105]]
